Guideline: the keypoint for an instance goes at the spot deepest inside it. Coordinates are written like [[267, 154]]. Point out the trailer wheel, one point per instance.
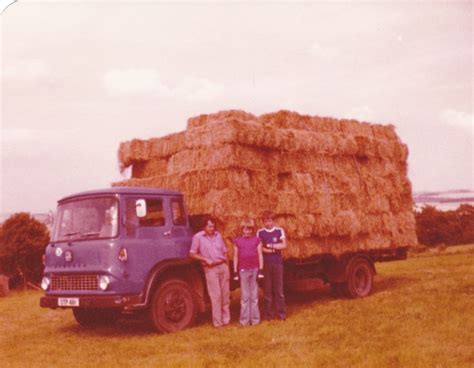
[[360, 278], [173, 306], [89, 317]]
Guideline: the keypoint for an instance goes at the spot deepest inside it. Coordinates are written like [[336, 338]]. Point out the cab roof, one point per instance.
[[122, 190]]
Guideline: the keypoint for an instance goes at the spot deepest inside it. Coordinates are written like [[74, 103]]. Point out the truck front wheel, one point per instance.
[[360, 278], [89, 317], [173, 306]]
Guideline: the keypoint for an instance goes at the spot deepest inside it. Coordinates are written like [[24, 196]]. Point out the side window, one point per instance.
[[155, 216], [178, 212]]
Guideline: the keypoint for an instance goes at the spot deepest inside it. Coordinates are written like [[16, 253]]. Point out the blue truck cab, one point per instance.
[[122, 250]]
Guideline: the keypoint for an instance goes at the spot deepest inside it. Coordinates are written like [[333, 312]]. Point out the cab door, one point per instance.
[[148, 239], [180, 231]]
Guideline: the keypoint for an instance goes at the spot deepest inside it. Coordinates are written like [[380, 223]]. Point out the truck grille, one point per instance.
[[74, 282]]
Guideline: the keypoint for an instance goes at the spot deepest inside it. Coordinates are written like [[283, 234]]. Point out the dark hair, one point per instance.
[[207, 219], [267, 215]]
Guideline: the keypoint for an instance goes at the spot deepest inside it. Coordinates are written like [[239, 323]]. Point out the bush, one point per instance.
[[22, 243], [435, 227]]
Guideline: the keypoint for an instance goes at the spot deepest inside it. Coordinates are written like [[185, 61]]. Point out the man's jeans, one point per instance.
[[249, 313], [217, 279], [273, 290]]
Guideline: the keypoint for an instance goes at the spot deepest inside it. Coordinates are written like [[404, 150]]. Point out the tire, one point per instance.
[[90, 317], [360, 278], [173, 307]]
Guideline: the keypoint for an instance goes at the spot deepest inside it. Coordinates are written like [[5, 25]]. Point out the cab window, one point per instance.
[[155, 216], [177, 211]]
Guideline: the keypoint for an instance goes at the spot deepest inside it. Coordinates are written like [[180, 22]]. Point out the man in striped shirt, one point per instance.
[[274, 241]]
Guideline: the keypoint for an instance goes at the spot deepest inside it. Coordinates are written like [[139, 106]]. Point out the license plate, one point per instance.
[[68, 302]]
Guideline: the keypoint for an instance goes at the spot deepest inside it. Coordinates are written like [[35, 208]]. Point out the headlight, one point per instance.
[[104, 281], [45, 283]]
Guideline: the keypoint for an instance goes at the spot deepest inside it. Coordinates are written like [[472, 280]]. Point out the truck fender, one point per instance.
[[187, 270]]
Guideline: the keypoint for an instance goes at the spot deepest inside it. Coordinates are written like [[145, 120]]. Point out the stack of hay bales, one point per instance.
[[335, 185]]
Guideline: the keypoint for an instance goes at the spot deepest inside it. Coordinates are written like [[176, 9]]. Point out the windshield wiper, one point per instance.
[[92, 233], [71, 234]]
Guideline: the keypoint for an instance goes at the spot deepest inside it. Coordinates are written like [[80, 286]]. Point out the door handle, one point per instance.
[[167, 233]]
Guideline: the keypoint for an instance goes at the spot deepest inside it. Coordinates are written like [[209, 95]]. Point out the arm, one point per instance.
[[260, 256], [194, 252], [236, 258], [281, 245], [266, 250], [201, 258]]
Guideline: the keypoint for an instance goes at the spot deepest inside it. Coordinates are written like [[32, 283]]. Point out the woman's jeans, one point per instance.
[[249, 313]]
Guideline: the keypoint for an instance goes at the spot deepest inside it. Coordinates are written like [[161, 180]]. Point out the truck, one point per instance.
[[126, 250]]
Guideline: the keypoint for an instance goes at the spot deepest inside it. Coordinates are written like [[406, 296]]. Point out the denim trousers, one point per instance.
[[217, 279], [249, 313], [273, 290]]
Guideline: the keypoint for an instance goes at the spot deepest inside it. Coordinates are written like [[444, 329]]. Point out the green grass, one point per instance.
[[421, 314]]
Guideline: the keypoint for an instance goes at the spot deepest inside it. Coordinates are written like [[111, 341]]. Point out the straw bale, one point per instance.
[[346, 223], [300, 182], [134, 150], [365, 146], [138, 150], [286, 119], [334, 185], [218, 157], [151, 167], [384, 132], [194, 183], [203, 119], [324, 225], [168, 145], [326, 124], [353, 127]]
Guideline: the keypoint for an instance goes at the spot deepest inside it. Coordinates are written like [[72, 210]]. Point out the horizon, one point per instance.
[[97, 74]]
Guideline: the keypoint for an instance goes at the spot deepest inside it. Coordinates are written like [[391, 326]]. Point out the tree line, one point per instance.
[[23, 238], [435, 227]]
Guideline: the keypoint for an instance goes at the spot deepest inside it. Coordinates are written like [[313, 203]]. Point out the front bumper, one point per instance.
[[108, 301]]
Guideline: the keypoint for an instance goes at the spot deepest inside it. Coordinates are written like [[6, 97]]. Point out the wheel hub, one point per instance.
[[174, 307]]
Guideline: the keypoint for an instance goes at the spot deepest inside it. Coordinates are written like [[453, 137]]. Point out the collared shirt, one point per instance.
[[210, 247]]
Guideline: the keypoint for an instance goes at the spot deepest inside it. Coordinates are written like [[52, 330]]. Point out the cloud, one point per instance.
[[458, 119], [134, 82], [361, 113], [130, 82], [27, 70]]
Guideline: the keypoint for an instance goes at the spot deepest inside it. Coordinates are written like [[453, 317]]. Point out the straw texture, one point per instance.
[[335, 185]]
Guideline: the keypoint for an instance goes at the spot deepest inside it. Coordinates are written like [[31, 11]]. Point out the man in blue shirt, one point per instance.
[[274, 240]]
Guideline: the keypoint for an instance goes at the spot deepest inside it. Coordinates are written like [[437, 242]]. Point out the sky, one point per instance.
[[79, 77]]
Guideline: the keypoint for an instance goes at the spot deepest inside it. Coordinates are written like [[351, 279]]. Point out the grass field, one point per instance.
[[421, 314]]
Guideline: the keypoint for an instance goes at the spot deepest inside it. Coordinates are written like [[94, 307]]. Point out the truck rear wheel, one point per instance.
[[173, 306], [360, 278], [89, 317]]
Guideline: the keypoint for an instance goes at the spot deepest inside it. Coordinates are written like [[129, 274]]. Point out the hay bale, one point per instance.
[[203, 119], [335, 185]]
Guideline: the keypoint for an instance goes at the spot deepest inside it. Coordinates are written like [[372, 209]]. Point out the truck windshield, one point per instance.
[[86, 219]]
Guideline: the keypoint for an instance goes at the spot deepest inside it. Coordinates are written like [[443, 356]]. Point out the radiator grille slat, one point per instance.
[[74, 282]]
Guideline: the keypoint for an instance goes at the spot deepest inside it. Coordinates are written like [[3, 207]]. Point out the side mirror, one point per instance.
[[140, 208]]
